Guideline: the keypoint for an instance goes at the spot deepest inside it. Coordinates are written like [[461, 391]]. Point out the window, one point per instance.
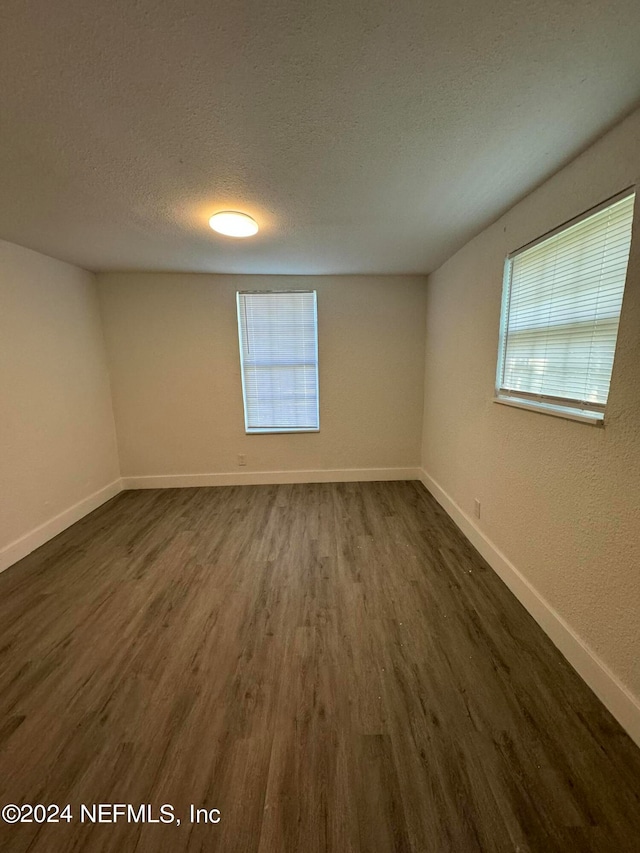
[[278, 334], [561, 305]]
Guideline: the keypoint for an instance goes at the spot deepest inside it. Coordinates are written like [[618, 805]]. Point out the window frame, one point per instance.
[[561, 407], [278, 430]]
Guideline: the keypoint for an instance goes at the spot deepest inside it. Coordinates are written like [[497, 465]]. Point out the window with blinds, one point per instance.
[[561, 305], [278, 334]]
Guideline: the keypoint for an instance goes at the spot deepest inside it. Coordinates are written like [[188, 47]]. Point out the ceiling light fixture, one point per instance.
[[233, 224]]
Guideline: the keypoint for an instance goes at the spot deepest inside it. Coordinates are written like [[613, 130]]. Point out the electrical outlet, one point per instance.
[[242, 459], [476, 508]]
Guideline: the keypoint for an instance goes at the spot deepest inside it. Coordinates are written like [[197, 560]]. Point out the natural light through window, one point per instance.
[[278, 334], [561, 306]]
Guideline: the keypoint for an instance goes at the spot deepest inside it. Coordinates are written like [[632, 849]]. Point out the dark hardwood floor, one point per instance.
[[331, 666]]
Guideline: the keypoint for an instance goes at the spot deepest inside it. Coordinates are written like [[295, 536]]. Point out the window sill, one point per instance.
[[275, 430], [592, 418]]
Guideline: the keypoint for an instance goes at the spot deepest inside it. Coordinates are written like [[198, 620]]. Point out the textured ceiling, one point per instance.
[[364, 136]]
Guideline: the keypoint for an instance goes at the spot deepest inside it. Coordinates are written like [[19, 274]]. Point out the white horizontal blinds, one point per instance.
[[563, 307], [279, 355]]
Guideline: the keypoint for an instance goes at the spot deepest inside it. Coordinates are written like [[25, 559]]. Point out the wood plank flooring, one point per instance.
[[331, 666]]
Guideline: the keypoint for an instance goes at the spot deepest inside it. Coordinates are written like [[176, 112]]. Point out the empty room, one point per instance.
[[320, 426]]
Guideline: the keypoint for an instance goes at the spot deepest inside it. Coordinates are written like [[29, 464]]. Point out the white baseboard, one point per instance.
[[19, 548], [608, 688], [258, 478]]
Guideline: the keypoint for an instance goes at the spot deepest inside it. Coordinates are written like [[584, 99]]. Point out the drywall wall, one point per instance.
[[59, 456], [559, 499], [172, 341]]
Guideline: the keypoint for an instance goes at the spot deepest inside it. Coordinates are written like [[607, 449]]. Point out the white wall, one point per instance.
[[560, 499], [57, 435], [173, 353]]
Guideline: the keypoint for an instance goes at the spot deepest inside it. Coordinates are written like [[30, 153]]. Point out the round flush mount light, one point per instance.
[[233, 224]]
